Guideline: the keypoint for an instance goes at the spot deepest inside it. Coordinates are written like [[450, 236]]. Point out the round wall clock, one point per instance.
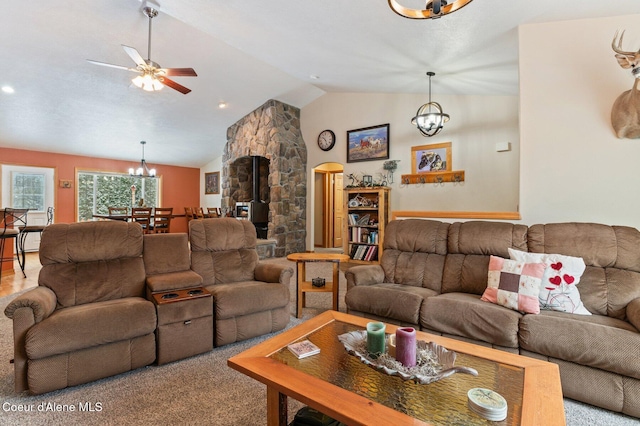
[[326, 140]]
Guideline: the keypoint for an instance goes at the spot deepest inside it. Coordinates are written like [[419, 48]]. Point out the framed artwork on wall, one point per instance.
[[212, 183], [368, 144], [431, 158]]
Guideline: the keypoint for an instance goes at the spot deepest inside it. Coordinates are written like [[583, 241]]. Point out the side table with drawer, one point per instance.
[[185, 323]]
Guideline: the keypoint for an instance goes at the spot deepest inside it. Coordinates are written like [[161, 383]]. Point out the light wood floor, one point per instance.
[[15, 282]]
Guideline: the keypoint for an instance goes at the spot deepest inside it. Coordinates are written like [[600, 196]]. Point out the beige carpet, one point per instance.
[[200, 390]]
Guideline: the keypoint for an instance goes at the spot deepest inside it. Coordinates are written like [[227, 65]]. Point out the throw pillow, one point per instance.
[[559, 291], [514, 285]]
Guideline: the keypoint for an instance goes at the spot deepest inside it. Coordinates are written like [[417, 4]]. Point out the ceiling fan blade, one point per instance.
[[168, 82], [104, 64], [133, 54], [179, 72]]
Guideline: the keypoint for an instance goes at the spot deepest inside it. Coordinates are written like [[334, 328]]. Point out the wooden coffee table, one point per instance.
[[342, 387], [303, 286]]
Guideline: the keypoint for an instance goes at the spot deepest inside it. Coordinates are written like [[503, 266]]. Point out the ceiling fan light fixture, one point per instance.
[[433, 9], [430, 117], [147, 82]]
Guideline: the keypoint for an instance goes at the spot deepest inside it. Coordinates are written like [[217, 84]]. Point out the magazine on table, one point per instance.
[[303, 349]]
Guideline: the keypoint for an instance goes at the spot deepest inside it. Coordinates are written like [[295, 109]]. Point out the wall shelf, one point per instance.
[[433, 177]]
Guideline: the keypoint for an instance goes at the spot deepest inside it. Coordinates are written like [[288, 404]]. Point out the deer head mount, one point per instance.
[[625, 113]]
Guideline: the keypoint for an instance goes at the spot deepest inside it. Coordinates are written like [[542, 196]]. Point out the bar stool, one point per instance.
[[11, 220], [25, 230]]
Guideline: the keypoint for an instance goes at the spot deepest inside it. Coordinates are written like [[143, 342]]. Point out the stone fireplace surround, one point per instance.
[[271, 131]]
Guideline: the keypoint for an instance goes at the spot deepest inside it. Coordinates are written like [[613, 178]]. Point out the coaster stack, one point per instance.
[[487, 404]]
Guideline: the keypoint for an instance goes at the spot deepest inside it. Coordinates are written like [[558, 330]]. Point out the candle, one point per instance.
[[406, 346], [375, 339]]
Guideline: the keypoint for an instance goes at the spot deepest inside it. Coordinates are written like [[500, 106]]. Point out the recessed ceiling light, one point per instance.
[[314, 77], [7, 89], [222, 105]]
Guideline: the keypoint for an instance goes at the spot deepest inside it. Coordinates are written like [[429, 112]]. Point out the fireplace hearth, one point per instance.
[[264, 173]]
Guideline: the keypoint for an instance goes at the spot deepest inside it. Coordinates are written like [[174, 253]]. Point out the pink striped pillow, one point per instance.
[[514, 285]]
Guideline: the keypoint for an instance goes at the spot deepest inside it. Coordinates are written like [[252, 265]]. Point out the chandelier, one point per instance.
[[430, 118], [434, 9], [143, 170]]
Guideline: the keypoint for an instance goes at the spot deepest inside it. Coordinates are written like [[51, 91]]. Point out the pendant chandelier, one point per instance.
[[143, 170], [430, 118], [434, 9]]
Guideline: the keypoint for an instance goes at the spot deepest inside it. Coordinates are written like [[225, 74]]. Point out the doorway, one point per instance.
[[328, 206]]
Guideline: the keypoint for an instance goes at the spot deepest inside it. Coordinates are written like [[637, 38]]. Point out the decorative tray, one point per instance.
[[434, 362]]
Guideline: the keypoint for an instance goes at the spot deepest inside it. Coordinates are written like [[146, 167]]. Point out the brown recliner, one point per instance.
[[88, 318], [250, 298]]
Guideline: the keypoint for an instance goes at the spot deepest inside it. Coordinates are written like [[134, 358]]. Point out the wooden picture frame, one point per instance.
[[368, 144], [212, 183], [431, 158]]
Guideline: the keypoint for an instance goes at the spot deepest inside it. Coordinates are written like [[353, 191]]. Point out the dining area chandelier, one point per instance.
[[143, 170]]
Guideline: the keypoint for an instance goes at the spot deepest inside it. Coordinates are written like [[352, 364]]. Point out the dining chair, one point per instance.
[[198, 213], [142, 215], [12, 219], [162, 220], [213, 212], [25, 230], [188, 212]]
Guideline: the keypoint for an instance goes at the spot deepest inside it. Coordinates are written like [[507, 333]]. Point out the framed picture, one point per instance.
[[368, 144], [212, 183], [431, 158]]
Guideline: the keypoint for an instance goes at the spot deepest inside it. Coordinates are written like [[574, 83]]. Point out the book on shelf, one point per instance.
[[303, 349]]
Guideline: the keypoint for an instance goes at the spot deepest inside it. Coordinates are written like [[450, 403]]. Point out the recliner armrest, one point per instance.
[[173, 281], [270, 273], [633, 313], [364, 275], [42, 301]]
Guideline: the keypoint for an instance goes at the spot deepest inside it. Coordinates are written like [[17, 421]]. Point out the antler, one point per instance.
[[625, 59], [618, 48]]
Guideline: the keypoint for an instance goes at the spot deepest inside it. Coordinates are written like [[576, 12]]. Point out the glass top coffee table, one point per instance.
[[341, 386]]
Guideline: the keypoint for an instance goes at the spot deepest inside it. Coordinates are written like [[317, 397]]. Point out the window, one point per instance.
[[28, 191], [99, 191]]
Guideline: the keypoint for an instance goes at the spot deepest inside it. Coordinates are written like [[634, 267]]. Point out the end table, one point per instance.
[[303, 286]]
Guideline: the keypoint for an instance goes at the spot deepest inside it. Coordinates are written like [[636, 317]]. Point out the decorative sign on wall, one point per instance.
[[212, 183], [432, 164], [431, 158]]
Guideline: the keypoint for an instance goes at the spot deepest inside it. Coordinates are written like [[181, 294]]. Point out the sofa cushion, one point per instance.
[[85, 326], [469, 246], [465, 315], [612, 276], [397, 301], [595, 341], [558, 291], [414, 252], [514, 284], [247, 297]]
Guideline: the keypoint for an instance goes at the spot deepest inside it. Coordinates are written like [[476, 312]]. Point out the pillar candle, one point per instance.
[[406, 346], [375, 339]]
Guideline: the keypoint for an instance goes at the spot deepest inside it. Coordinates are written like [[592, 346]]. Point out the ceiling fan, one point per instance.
[[151, 76]]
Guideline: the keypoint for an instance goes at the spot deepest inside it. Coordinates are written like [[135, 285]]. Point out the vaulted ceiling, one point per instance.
[[245, 52]]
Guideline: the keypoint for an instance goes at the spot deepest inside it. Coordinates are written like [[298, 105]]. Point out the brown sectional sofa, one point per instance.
[[92, 314], [432, 275]]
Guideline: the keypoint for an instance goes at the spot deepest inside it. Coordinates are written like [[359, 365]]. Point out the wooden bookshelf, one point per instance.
[[367, 216]]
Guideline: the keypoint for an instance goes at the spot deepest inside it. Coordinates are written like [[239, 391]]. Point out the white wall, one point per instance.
[[477, 124], [573, 168], [211, 200]]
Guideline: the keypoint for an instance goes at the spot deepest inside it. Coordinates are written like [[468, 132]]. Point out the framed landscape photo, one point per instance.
[[368, 144], [431, 158], [212, 183]]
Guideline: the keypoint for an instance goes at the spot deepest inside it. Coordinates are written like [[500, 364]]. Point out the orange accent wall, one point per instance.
[[180, 185]]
